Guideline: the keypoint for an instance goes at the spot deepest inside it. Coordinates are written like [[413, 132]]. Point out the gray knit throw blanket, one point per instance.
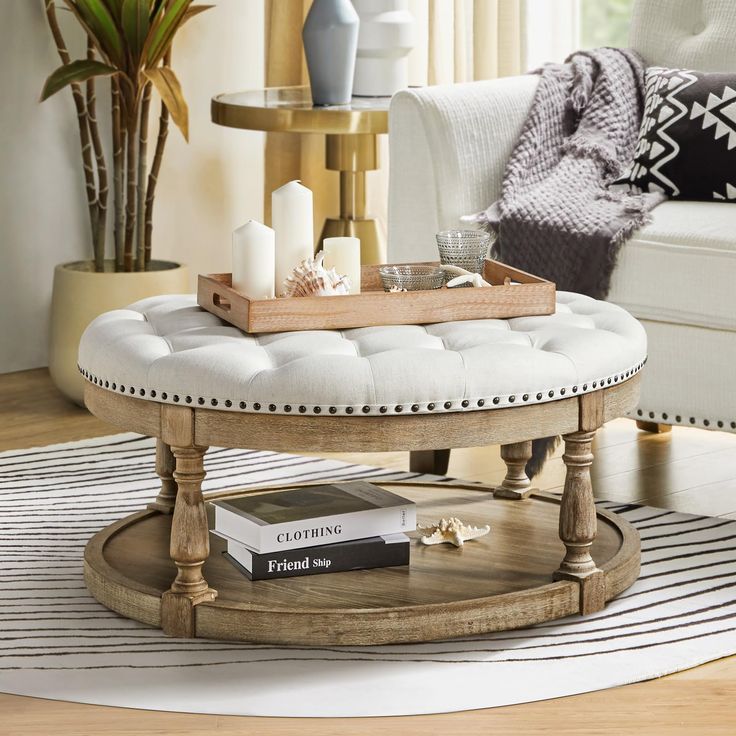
[[558, 216]]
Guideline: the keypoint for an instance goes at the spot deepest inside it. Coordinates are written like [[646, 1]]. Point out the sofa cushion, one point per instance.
[[687, 139], [682, 267]]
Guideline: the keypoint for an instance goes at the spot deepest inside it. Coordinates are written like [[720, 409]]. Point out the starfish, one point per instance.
[[450, 530]]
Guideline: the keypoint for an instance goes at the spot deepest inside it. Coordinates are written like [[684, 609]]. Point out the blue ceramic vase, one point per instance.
[[330, 37]]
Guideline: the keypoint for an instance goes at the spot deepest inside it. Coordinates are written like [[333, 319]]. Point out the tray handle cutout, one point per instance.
[[221, 302]]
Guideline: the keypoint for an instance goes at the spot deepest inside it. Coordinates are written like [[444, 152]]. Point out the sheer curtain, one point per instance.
[[457, 41]]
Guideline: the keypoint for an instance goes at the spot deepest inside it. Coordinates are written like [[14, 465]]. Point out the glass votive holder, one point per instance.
[[411, 277], [464, 248]]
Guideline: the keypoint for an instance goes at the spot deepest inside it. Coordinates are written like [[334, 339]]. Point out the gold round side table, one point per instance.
[[351, 133]]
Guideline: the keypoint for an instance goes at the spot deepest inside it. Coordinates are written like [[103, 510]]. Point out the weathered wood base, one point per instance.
[[178, 616], [516, 485], [501, 581], [592, 590]]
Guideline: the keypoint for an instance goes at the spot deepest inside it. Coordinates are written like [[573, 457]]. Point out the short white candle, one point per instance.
[[293, 220], [254, 260], [343, 254]]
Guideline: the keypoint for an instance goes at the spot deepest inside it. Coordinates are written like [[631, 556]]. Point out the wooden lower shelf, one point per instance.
[[501, 581]]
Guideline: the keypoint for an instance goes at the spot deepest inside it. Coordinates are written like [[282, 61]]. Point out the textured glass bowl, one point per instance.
[[464, 248], [411, 277]]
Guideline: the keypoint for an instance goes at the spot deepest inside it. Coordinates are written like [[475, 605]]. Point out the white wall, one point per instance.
[[206, 187]]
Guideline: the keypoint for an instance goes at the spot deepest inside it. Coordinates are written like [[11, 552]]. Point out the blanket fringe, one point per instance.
[[542, 449]]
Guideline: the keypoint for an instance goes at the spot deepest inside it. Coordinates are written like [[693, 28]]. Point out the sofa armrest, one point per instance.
[[448, 147]]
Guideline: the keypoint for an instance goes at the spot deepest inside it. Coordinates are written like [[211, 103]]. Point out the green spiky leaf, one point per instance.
[[165, 26], [135, 22], [77, 71], [101, 26]]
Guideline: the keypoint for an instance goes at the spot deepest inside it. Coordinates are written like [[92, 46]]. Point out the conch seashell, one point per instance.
[[451, 530], [311, 278]]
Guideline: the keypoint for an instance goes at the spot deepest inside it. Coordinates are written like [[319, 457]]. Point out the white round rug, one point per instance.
[[57, 642]]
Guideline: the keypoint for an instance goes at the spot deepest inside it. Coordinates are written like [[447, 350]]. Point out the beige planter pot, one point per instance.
[[80, 294]]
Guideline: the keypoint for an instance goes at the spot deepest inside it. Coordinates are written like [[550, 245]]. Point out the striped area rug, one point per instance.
[[57, 642]]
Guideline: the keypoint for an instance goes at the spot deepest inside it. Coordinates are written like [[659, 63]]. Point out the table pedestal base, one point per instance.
[[505, 580]]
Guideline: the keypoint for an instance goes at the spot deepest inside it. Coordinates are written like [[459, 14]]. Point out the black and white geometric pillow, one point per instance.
[[687, 139]]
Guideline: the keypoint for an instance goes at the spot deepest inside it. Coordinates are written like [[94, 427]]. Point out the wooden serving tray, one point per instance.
[[373, 306]]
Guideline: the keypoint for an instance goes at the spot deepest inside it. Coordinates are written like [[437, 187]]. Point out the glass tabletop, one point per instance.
[[290, 109]]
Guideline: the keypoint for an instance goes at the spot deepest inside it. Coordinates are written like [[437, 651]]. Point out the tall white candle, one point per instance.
[[293, 220], [254, 260], [343, 254]]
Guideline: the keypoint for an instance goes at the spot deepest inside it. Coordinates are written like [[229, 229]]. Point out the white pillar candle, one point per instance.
[[254, 260], [343, 254], [293, 220]]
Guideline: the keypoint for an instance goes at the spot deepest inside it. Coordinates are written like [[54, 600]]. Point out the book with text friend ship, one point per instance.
[[313, 515], [390, 550]]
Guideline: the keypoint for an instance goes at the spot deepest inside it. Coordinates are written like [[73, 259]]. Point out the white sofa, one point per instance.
[[448, 149]]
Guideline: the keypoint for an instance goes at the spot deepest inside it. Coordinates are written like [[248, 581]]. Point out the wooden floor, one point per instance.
[[687, 470]]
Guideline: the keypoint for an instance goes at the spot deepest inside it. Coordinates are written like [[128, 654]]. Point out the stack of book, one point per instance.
[[315, 529]]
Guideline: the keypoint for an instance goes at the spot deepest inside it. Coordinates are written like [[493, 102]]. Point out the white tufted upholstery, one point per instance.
[[168, 349], [695, 34]]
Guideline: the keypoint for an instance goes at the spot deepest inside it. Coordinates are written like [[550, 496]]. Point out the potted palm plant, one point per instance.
[[128, 47]]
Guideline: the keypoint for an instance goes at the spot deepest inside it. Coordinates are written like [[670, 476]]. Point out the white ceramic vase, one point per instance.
[[387, 35], [80, 294]]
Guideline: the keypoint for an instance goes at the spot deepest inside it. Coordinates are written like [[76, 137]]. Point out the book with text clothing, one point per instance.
[[390, 550], [313, 515]]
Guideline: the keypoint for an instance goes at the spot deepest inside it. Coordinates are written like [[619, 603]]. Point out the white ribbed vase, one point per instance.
[[387, 35]]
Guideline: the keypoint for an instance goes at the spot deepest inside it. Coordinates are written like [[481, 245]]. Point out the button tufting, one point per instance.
[[206, 337]]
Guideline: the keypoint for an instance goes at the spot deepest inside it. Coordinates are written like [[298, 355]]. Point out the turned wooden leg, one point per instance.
[[189, 547], [578, 524], [165, 464], [516, 484], [434, 462], [653, 427]]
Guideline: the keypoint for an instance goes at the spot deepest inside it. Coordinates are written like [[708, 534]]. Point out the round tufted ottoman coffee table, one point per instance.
[[165, 368]]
